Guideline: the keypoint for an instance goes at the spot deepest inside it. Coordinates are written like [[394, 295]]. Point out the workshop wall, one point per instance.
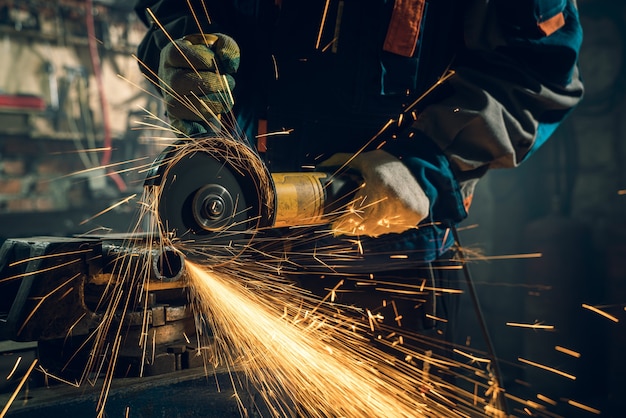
[[58, 112]]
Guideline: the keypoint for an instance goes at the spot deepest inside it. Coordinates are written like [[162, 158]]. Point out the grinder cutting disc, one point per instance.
[[211, 188]]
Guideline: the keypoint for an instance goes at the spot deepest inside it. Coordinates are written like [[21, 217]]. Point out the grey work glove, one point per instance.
[[389, 201], [195, 76]]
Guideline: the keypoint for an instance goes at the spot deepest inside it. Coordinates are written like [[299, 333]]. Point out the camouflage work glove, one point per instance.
[[389, 201], [196, 78]]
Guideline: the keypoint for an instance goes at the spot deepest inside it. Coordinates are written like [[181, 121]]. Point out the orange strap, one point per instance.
[[261, 142], [404, 27], [556, 22]]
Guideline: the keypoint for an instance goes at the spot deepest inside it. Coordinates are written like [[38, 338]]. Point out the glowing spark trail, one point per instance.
[[308, 365], [547, 368], [102, 212], [567, 351], [600, 312], [584, 407], [15, 366], [17, 389], [546, 399], [296, 356], [533, 326]]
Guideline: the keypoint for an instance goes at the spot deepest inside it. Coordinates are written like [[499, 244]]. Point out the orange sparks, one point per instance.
[[507, 257], [547, 368], [121, 202], [29, 273], [583, 407], [311, 356], [533, 326], [435, 318], [41, 257], [321, 30], [600, 312], [17, 389], [545, 399], [17, 363], [471, 357], [567, 351]]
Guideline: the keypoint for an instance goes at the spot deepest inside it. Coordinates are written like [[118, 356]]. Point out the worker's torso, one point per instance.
[[320, 68]]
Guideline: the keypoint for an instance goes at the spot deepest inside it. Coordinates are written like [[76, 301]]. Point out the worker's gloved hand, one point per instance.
[[390, 199], [195, 76]]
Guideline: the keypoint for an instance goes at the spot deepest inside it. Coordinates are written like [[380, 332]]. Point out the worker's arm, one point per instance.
[[515, 81]]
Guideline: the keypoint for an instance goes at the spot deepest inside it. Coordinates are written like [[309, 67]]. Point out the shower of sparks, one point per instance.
[[306, 358], [600, 312], [296, 348]]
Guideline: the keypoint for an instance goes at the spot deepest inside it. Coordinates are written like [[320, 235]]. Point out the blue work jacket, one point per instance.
[[333, 72]]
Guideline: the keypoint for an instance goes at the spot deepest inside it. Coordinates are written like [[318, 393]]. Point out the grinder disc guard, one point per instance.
[[211, 189]]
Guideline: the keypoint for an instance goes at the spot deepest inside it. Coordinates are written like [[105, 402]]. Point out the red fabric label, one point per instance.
[[404, 27], [261, 142], [556, 22]]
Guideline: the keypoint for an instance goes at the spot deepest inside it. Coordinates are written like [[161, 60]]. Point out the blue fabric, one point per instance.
[[551, 56], [432, 170]]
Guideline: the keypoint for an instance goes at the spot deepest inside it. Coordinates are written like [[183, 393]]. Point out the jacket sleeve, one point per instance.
[[515, 80]]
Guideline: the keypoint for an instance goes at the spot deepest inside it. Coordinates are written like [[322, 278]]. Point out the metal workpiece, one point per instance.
[[57, 292], [165, 264], [55, 298], [49, 284], [42, 283]]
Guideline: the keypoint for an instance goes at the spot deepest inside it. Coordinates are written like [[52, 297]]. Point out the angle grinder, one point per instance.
[[216, 188]]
